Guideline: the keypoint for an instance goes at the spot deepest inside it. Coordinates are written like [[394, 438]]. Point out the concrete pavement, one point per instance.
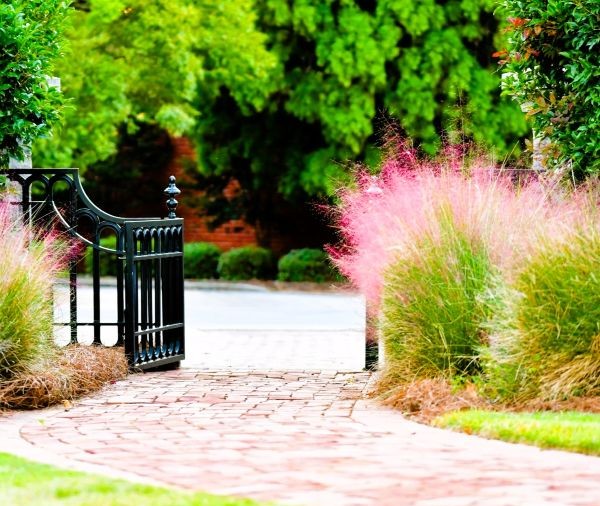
[[245, 327]]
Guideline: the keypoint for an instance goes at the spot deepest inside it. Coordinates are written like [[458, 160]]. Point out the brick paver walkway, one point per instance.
[[298, 438]]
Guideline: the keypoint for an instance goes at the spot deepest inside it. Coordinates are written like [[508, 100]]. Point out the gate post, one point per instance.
[[149, 253]]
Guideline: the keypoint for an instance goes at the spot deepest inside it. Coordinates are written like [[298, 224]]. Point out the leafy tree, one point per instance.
[[136, 61], [351, 68], [275, 93], [553, 66], [30, 40]]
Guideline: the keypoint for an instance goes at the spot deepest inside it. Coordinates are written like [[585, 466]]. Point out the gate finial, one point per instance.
[[172, 191]]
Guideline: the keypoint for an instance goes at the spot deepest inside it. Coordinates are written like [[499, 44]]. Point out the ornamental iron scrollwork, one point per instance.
[[148, 253]]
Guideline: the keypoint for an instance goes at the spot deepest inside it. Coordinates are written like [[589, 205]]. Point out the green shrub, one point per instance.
[[30, 41], [545, 335], [108, 261], [432, 312], [201, 260], [306, 265], [248, 262], [27, 270], [552, 67]]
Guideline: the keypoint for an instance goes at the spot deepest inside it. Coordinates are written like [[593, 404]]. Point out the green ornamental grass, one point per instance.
[[432, 312], [29, 264], [545, 334]]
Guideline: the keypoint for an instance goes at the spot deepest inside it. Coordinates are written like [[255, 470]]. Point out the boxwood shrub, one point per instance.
[[201, 260], [247, 262], [306, 264]]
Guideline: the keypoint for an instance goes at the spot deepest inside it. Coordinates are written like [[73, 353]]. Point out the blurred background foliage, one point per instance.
[[277, 93], [132, 62]]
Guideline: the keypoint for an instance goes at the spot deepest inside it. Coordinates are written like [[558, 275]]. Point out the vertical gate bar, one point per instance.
[[120, 301], [181, 282], [96, 287], [150, 277], [130, 286], [143, 304], [73, 300], [167, 298], [72, 264], [26, 203], [148, 295], [157, 296], [138, 341], [172, 293]]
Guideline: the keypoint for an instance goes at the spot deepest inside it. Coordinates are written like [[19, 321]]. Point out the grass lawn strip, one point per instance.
[[565, 430], [26, 483]]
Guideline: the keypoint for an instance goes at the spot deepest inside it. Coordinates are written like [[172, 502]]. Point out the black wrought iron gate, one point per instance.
[[148, 255]]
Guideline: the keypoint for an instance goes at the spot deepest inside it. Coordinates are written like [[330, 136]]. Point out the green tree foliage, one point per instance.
[[138, 62], [275, 93], [345, 62], [553, 66], [30, 40]]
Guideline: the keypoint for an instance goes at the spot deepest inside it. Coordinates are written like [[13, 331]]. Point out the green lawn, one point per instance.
[[568, 430], [26, 483]]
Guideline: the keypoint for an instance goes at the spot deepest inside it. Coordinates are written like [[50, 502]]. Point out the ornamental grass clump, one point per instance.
[[385, 216], [432, 310], [30, 262], [545, 334], [425, 240]]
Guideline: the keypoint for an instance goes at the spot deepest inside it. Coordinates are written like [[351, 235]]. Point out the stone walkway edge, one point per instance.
[[295, 437]]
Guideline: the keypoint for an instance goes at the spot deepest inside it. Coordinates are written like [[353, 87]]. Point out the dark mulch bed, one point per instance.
[[424, 400]]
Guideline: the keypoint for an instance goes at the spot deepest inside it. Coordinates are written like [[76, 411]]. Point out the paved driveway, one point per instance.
[[296, 438], [250, 327]]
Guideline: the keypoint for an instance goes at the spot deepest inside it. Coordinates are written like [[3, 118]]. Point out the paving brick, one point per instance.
[[301, 437]]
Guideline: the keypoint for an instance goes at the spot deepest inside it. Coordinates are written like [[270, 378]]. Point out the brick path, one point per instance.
[[297, 438]]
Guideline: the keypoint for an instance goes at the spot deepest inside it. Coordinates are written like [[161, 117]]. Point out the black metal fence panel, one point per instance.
[[148, 254], [154, 288]]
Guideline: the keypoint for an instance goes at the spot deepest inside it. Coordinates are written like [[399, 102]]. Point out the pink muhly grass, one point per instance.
[[382, 225], [30, 262]]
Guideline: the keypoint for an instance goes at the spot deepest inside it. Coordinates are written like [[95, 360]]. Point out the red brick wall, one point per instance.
[[303, 229], [232, 234]]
